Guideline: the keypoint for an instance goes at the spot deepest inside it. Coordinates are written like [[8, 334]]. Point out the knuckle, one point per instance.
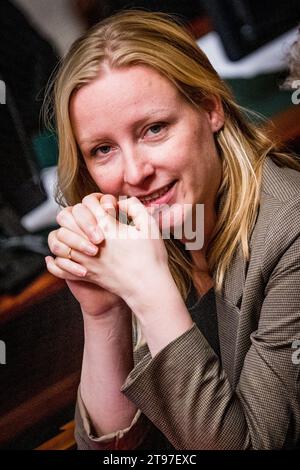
[[55, 247], [81, 246], [86, 199], [59, 262], [64, 215], [50, 237], [60, 216], [91, 198], [60, 233], [77, 207]]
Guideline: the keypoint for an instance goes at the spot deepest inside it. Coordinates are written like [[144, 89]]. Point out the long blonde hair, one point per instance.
[[157, 40]]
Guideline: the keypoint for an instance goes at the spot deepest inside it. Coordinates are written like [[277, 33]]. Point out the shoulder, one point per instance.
[[280, 198], [278, 223], [280, 183]]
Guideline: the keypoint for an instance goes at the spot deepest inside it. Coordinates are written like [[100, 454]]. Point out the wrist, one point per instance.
[[119, 310], [161, 312], [149, 289], [112, 330]]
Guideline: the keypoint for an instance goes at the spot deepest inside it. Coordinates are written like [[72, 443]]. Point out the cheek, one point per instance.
[[104, 179], [177, 155], [190, 147]]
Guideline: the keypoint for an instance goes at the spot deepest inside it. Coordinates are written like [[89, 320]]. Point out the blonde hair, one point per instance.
[[157, 40]]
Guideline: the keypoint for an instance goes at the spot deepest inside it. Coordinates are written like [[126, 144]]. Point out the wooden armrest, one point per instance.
[[63, 441], [285, 126], [13, 305], [40, 407]]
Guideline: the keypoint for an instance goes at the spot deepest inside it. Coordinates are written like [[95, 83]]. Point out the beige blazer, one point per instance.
[[187, 397]]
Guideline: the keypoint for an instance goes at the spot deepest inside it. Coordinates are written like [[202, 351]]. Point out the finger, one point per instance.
[[56, 247], [102, 216], [87, 222], [54, 269], [70, 266], [141, 219], [60, 241], [106, 201], [109, 204], [66, 219]]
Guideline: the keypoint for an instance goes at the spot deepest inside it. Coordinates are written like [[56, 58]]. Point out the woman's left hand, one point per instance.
[[131, 257]]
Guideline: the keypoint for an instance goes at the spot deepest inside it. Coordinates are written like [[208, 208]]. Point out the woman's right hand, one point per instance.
[[80, 232]]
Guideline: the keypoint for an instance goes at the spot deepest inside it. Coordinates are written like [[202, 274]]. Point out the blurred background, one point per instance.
[[247, 41]]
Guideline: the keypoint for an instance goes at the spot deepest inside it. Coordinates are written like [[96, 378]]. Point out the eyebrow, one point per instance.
[[136, 123]]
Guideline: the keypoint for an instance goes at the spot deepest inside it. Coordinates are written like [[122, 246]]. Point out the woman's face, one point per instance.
[[140, 137]]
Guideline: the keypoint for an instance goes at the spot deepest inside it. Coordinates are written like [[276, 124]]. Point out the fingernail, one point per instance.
[[96, 236], [90, 249], [80, 271], [109, 209]]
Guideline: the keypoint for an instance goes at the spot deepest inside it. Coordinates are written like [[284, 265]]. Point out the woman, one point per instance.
[[143, 118]]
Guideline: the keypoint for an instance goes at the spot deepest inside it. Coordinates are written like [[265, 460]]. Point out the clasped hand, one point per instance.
[[120, 259]]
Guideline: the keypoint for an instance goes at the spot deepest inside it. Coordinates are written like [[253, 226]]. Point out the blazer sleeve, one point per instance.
[[123, 439], [140, 435], [185, 392]]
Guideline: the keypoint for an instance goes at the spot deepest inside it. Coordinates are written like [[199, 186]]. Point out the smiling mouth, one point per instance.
[[157, 195]]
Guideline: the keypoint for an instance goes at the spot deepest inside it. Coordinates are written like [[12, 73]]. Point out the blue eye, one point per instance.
[[156, 128], [103, 149]]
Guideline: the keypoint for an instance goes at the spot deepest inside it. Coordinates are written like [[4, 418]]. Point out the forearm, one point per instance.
[[107, 360]]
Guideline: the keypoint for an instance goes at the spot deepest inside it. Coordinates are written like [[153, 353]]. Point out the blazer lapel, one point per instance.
[[228, 304]]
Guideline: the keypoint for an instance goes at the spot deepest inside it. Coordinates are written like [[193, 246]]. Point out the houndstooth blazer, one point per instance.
[[250, 399]]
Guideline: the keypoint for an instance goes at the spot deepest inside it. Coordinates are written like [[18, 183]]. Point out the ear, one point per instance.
[[215, 112]]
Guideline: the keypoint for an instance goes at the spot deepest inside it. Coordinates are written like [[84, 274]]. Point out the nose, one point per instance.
[[137, 167]]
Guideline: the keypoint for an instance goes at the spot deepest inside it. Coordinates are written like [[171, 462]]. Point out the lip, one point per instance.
[[154, 190], [163, 199]]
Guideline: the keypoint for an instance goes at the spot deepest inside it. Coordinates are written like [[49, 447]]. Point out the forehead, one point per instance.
[[124, 92]]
